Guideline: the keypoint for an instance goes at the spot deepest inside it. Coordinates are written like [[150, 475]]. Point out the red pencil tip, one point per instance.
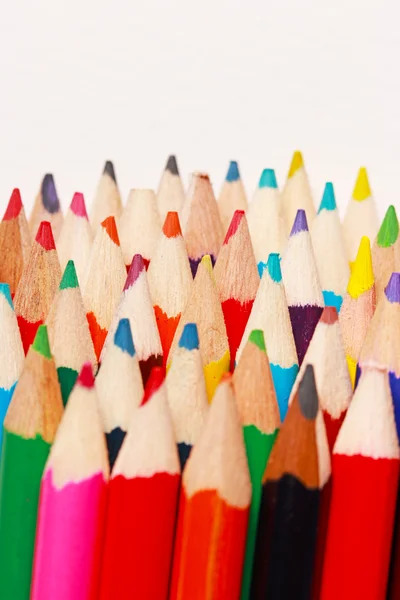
[[110, 226], [14, 206], [86, 378], [44, 236], [329, 315], [172, 227], [153, 383], [137, 266], [78, 206], [234, 225]]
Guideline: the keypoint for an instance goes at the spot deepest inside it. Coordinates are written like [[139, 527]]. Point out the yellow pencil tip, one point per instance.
[[296, 164], [206, 262], [362, 190], [362, 274]]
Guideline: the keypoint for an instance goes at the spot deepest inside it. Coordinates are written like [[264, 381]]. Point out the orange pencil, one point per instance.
[[47, 207], [107, 200]]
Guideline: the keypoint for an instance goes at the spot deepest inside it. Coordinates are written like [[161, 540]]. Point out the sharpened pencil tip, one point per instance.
[[274, 267], [392, 290], [362, 189], [268, 179], [257, 338], [329, 315], [137, 266], [296, 164], [41, 342], [110, 226], [172, 165], [389, 229], [14, 206], [308, 397], [78, 205], [154, 382], [86, 378], [109, 170], [49, 194], [172, 227], [328, 201], [69, 278], [300, 223], [190, 337], [123, 337], [233, 172], [5, 290], [234, 225], [44, 236], [362, 274]]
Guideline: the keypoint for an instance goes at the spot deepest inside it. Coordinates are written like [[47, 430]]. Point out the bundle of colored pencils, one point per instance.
[[200, 395]]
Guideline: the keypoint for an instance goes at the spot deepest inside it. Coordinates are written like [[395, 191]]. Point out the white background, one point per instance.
[[84, 81]]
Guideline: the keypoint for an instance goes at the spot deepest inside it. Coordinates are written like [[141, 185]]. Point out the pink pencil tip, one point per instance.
[[86, 378], [154, 382], [234, 225], [44, 236], [137, 266], [78, 206]]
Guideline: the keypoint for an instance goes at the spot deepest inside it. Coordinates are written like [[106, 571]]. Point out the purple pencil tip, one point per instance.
[[300, 222], [392, 290]]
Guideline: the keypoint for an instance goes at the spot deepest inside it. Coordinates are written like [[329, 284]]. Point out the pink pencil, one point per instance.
[[72, 502]]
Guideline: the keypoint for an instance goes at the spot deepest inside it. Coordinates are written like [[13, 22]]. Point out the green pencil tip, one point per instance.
[[41, 342], [389, 230], [257, 337], [69, 279]]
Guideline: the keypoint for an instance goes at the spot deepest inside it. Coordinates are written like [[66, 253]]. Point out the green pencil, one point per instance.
[[259, 413], [29, 429], [386, 252]]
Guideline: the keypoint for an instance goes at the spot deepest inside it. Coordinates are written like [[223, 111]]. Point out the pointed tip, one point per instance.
[[268, 179], [362, 274], [233, 172], [14, 205], [154, 382], [5, 290], [392, 290], [49, 194], [109, 170], [362, 189], [86, 378], [206, 263], [137, 266], [69, 279], [41, 342], [328, 201], [44, 236], [257, 338], [234, 224], [308, 397], [300, 223], [78, 205], [190, 337], [329, 315], [123, 337], [274, 267], [172, 165], [172, 226], [110, 226], [296, 164], [389, 229]]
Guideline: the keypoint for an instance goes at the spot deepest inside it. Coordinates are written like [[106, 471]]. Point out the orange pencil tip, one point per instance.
[[110, 226], [172, 227], [44, 236]]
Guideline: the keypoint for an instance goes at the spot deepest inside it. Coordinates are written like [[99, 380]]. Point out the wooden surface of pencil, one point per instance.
[[29, 429], [107, 199], [285, 549], [259, 415], [47, 207], [200, 221], [297, 193], [186, 391], [267, 226], [361, 218], [142, 504], [358, 306], [232, 196], [237, 280], [365, 472], [72, 502], [119, 387], [213, 508], [204, 309], [329, 250], [270, 313], [386, 251], [140, 225], [11, 353], [70, 340], [303, 290], [170, 194], [15, 242], [76, 237], [38, 284], [135, 304], [170, 280], [104, 280]]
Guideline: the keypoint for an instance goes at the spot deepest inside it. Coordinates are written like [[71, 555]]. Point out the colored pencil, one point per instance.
[[38, 284], [266, 224], [200, 221], [29, 429], [15, 242], [135, 304], [237, 280], [285, 549], [365, 473], [76, 237], [140, 226], [72, 502], [303, 289], [297, 193], [329, 250], [119, 388], [259, 415], [70, 339], [170, 280], [47, 207], [107, 199], [386, 252], [213, 508], [187, 395], [270, 313], [361, 218], [204, 309], [142, 504], [11, 353], [232, 196], [358, 306], [104, 280], [170, 194]]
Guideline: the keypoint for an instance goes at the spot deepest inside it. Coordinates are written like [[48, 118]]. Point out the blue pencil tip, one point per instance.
[[123, 337], [392, 290], [5, 290], [233, 172], [328, 201], [300, 222], [274, 267], [190, 337], [268, 179]]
